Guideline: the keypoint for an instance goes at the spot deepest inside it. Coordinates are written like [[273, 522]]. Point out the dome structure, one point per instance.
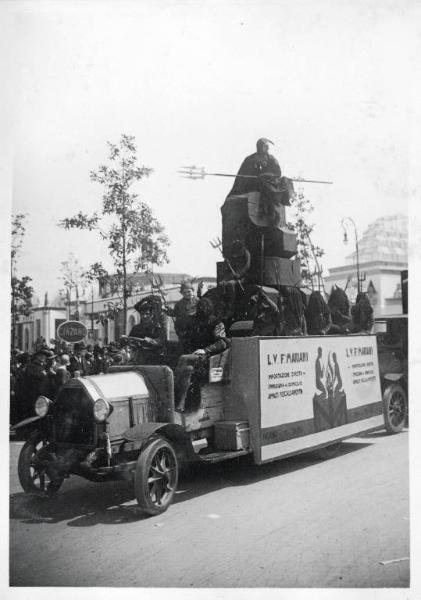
[[386, 239]]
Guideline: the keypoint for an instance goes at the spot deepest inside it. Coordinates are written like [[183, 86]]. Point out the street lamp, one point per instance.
[[345, 222]]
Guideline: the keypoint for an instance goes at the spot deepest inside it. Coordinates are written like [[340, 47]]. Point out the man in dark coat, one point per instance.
[[79, 366], [30, 385], [260, 172], [208, 338], [150, 331], [255, 165]]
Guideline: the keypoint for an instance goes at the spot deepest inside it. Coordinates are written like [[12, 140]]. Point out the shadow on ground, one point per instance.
[[378, 434], [84, 504]]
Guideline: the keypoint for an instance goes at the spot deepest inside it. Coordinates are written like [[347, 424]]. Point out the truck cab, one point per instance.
[[392, 347]]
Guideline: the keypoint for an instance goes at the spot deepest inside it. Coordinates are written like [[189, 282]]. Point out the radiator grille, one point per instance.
[[73, 417]]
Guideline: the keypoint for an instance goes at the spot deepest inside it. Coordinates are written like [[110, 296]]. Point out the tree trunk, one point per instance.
[[12, 340], [77, 302], [124, 280]]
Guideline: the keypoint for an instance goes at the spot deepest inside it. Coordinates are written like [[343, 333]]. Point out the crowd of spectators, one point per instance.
[[43, 371]]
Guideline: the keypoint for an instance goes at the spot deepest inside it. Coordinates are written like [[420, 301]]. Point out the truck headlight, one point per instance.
[[42, 405], [101, 409]]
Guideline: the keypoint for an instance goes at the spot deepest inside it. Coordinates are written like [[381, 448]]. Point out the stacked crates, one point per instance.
[[273, 249]]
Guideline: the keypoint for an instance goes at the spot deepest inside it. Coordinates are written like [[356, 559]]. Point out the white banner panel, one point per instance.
[[310, 385]]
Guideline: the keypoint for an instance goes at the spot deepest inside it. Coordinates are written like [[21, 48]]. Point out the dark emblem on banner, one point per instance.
[[329, 401]]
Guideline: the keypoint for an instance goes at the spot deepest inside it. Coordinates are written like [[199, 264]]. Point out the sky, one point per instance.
[[330, 83]]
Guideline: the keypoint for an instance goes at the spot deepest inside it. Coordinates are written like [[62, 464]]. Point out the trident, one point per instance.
[[194, 172], [217, 244], [156, 282]]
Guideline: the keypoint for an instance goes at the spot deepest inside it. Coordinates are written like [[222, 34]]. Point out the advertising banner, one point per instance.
[[316, 389]]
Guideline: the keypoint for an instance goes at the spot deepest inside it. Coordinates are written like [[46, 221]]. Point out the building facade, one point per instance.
[[100, 310], [383, 255]]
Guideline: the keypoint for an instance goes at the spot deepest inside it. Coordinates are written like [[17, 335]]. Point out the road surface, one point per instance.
[[300, 522]]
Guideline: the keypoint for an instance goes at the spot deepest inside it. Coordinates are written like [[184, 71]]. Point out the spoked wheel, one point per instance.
[[156, 477], [394, 408], [32, 470], [329, 451]]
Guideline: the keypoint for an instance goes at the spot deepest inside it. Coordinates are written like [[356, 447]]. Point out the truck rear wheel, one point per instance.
[[156, 477], [394, 408]]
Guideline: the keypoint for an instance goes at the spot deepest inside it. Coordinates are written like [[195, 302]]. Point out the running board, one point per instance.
[[219, 456]]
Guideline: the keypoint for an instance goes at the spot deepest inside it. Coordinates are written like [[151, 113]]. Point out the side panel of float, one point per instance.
[[303, 393]]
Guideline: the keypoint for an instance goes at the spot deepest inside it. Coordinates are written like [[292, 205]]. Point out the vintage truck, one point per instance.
[[265, 396], [269, 397]]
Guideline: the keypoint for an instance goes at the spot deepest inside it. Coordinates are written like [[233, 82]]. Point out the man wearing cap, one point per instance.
[[151, 331], [184, 312]]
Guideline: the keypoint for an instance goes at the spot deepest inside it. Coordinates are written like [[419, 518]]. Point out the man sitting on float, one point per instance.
[[208, 338]]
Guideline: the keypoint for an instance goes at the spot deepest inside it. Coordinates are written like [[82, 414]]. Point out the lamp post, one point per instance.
[[69, 299], [345, 222], [92, 311]]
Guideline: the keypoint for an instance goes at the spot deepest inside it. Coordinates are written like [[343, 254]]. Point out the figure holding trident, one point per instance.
[[253, 214], [259, 172]]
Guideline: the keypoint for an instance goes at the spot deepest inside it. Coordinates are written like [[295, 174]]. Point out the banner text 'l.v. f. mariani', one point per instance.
[[316, 389]]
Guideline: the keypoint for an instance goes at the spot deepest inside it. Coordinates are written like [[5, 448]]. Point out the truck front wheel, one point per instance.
[[156, 477], [32, 467]]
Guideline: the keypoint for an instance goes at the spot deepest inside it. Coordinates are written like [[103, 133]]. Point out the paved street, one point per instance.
[[300, 522]]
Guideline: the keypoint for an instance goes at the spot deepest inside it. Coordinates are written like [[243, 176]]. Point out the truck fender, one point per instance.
[[142, 431], [136, 437], [393, 377], [26, 422]]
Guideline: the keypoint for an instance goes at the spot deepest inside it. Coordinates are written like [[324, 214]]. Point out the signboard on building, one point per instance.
[[72, 331]]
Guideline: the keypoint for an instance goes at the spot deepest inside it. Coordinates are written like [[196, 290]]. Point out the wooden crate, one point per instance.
[[232, 435]]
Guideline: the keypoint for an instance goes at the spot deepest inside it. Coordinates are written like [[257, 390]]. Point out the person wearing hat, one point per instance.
[[102, 360], [62, 369], [114, 353], [255, 165], [264, 175], [207, 339], [184, 312], [29, 385], [151, 331], [52, 382], [78, 365]]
